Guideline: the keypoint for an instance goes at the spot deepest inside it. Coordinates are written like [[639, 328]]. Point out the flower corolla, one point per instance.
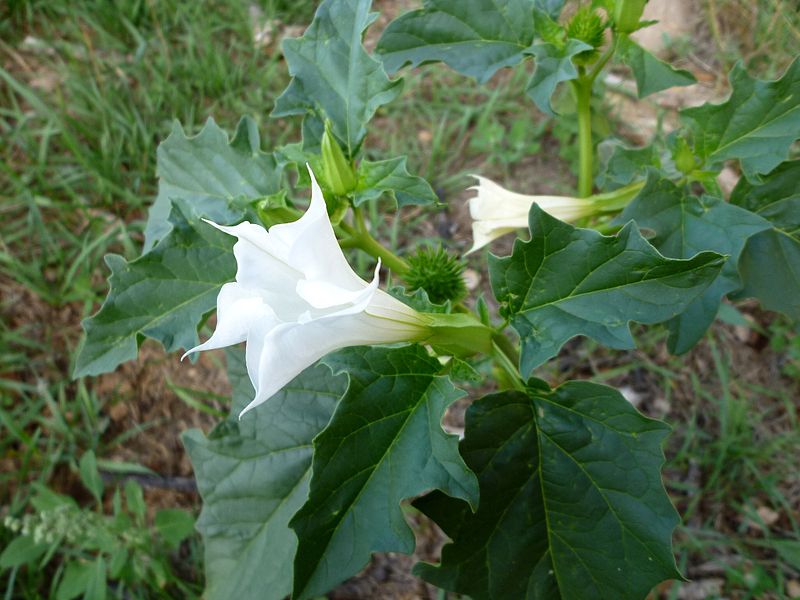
[[295, 299]]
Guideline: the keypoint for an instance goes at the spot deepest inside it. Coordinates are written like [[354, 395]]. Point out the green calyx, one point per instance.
[[458, 334], [340, 177], [627, 14], [587, 26], [438, 273]]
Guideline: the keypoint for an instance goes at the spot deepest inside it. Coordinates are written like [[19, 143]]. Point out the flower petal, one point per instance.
[[323, 294], [237, 309], [313, 248]]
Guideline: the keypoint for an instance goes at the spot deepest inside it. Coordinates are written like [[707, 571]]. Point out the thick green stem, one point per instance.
[[583, 98], [506, 362]]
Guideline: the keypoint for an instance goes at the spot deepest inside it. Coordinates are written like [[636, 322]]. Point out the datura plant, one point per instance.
[[335, 428]]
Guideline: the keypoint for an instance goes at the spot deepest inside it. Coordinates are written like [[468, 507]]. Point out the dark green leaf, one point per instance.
[[756, 125], [685, 225], [553, 66], [567, 281], [253, 475], [333, 77], [209, 172], [392, 177], [652, 75], [163, 294], [90, 476], [174, 525], [134, 498], [420, 301], [770, 263], [475, 38], [21, 551], [385, 443], [572, 504]]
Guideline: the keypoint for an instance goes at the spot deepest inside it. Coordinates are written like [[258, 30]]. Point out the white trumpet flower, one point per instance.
[[497, 211], [295, 299]]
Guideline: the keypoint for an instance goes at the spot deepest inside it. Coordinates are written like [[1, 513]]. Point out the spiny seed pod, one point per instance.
[[438, 273], [587, 26], [338, 172]]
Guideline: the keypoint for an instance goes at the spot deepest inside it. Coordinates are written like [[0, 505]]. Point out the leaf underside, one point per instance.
[[253, 475]]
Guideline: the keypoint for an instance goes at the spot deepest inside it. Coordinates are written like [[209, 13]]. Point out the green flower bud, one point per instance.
[[683, 156], [627, 14], [438, 273], [337, 171]]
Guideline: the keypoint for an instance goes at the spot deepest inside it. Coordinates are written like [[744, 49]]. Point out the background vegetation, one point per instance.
[[87, 90]]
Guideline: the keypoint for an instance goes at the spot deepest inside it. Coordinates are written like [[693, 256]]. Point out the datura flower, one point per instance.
[[497, 211], [296, 299]]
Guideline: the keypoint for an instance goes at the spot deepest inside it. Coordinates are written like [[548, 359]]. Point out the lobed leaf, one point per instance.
[[333, 77], [164, 294], [253, 476], [475, 38], [568, 281], [756, 125], [384, 443], [207, 172], [685, 225], [572, 504], [652, 75], [392, 177], [553, 66]]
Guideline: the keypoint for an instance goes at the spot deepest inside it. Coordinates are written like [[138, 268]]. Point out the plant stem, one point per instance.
[[505, 362], [583, 98], [359, 237]]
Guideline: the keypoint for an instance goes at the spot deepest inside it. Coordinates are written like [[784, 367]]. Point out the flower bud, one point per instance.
[[627, 14], [338, 172], [683, 156]]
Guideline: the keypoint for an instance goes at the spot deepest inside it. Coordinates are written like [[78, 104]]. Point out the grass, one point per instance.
[[87, 91]]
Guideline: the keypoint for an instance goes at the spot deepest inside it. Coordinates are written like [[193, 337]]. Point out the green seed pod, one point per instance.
[[627, 14], [587, 26], [438, 273], [338, 172]]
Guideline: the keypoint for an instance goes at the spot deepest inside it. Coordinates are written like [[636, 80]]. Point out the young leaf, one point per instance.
[[553, 66], [163, 294], [572, 504], [567, 281], [756, 125], [770, 263], [96, 588], [74, 581], [685, 225], [253, 475], [385, 443], [652, 75], [333, 76], [620, 164], [208, 172], [392, 177], [475, 38]]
